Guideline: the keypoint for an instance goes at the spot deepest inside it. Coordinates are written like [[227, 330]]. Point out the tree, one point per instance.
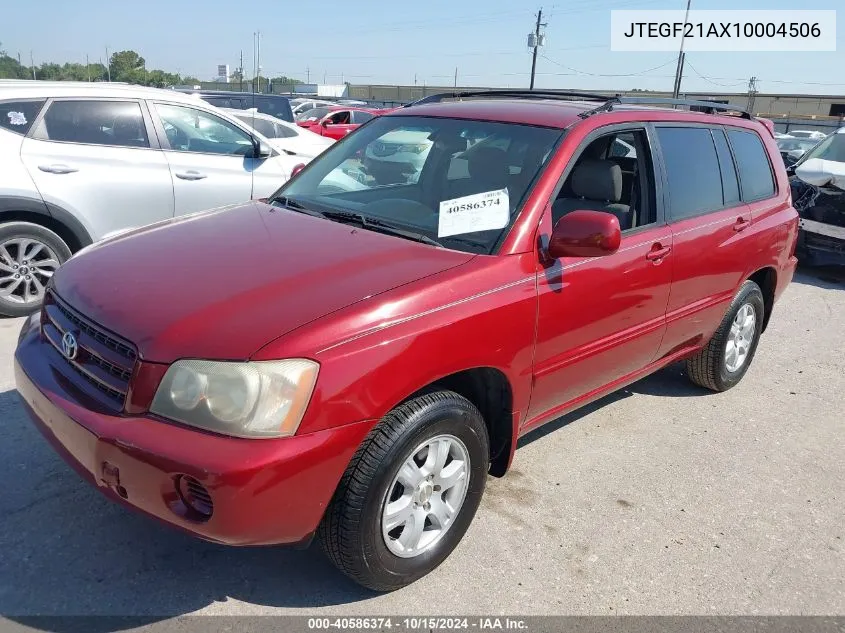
[[125, 66], [11, 68]]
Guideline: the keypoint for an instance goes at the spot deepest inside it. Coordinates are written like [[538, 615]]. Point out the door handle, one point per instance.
[[657, 253], [190, 175], [741, 224], [57, 169]]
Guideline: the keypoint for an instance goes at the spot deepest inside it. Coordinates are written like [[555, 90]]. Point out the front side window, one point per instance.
[[192, 130], [340, 118], [755, 172], [613, 174], [692, 169], [17, 116], [115, 123], [394, 175]]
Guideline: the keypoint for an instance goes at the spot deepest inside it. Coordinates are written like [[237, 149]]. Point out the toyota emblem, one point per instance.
[[69, 346]]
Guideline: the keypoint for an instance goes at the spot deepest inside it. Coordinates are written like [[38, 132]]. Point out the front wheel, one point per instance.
[[409, 493], [722, 363], [29, 255]]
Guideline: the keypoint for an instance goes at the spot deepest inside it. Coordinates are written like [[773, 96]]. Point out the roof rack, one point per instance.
[[708, 107], [513, 93]]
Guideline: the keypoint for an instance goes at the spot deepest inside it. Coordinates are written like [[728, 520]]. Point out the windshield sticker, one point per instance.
[[16, 118], [479, 212]]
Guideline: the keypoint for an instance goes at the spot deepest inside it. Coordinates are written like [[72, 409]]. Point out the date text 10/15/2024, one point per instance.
[[418, 623]]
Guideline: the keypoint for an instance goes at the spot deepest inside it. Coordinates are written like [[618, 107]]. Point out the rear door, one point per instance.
[[210, 158], [710, 225], [100, 160]]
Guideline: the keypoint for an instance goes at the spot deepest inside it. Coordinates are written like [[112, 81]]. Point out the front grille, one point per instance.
[[102, 360]]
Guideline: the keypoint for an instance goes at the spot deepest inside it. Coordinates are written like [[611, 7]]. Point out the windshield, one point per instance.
[[314, 114], [831, 148], [458, 183], [792, 144]]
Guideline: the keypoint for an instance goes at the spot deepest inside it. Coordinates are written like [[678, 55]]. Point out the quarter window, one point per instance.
[[730, 186], [754, 168], [192, 130], [17, 116], [116, 123], [692, 169]]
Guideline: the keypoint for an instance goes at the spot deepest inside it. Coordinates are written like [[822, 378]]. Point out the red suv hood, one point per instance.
[[220, 285]]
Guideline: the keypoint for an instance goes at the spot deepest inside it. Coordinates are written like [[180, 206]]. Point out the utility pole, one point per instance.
[[108, 64], [88, 67], [324, 76], [679, 70], [241, 71], [752, 94], [258, 61], [32, 63], [456, 76], [535, 41], [308, 74]]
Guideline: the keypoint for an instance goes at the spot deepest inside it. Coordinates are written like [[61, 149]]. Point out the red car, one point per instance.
[[352, 360], [336, 121]]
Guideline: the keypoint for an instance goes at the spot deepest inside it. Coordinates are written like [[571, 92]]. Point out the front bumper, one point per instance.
[[263, 491], [821, 244]]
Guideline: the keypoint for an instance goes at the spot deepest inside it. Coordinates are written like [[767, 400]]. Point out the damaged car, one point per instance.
[[818, 194]]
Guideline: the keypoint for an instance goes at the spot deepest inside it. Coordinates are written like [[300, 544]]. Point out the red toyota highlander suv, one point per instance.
[[351, 360]]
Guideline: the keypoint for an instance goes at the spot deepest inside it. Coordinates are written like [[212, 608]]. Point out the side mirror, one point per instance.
[[262, 150], [325, 123], [585, 234]]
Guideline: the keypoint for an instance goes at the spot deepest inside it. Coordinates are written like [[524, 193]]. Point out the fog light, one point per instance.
[[195, 497]]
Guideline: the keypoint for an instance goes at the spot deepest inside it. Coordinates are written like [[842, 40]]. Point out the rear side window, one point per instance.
[[730, 186], [17, 116], [755, 172], [117, 123], [692, 169]]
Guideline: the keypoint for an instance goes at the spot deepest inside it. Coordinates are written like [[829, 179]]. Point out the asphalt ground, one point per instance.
[[660, 499]]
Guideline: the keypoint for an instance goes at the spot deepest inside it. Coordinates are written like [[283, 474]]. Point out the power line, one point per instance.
[[584, 72], [710, 79]]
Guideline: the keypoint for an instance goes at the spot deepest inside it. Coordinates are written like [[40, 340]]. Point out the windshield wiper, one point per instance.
[[293, 205], [379, 226]]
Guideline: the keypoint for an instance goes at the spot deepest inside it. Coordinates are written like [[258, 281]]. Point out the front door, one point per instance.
[[211, 160], [98, 160], [602, 319], [338, 124]]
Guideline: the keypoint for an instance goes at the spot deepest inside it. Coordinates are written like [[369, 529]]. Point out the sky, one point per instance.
[[395, 42]]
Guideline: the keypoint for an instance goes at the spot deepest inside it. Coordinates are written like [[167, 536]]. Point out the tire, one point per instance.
[[352, 533], [20, 296], [711, 367]]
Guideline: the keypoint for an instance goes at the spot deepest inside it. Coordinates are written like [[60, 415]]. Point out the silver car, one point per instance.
[[80, 162]]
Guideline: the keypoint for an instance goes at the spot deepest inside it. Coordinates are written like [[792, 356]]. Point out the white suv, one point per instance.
[[80, 162]]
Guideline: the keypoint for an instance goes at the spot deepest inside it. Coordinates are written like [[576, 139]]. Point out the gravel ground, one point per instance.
[[660, 499]]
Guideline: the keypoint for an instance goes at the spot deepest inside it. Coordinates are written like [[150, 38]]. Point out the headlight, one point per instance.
[[261, 399]]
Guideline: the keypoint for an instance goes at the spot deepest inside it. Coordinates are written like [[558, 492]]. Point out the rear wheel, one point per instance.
[[409, 493], [29, 255], [722, 363]]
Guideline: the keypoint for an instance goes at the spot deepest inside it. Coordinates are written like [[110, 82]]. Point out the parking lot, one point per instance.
[[660, 499]]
